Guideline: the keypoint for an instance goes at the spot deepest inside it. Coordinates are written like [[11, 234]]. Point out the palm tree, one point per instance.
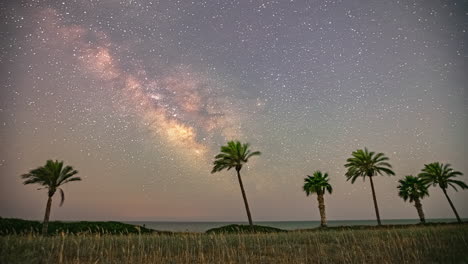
[[235, 155], [364, 163], [413, 189], [318, 183], [51, 177], [438, 174]]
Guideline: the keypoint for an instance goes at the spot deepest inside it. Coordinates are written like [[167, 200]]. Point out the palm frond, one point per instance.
[[441, 175], [385, 170], [62, 196], [365, 163], [318, 183], [51, 176], [255, 153], [71, 180], [412, 188], [461, 184], [233, 155]]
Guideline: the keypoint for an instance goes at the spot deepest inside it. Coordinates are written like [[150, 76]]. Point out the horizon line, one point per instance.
[[234, 221]]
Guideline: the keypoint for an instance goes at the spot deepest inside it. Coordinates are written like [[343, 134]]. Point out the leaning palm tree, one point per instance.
[[235, 155], [438, 174], [318, 183], [413, 189], [51, 176], [368, 164]]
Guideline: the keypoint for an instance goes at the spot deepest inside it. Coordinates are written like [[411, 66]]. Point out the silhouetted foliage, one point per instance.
[[318, 183], [51, 176], [413, 189], [235, 155], [244, 229], [368, 164], [20, 226], [443, 176]]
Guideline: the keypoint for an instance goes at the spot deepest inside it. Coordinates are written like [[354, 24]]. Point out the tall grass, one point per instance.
[[419, 244]]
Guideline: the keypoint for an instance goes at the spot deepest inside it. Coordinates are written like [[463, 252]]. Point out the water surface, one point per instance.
[[287, 225]]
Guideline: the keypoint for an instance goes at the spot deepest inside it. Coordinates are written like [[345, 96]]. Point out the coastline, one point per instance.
[[203, 226]]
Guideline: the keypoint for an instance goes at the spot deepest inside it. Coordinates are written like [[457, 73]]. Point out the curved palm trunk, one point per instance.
[[375, 201], [323, 218], [451, 204], [245, 197], [418, 205], [45, 223]]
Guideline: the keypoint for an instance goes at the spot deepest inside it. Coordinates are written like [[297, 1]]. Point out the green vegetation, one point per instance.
[[19, 226], [368, 164], [413, 189], [438, 174], [51, 176], [115, 242], [244, 229], [318, 183], [416, 244], [235, 155]]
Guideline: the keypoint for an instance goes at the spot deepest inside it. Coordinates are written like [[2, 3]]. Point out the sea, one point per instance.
[[286, 225]]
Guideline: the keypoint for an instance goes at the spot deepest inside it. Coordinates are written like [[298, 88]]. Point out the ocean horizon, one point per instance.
[[202, 226]]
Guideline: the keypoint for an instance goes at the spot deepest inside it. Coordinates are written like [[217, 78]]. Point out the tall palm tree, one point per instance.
[[235, 155], [51, 176], [364, 163], [413, 189], [318, 183], [438, 174]]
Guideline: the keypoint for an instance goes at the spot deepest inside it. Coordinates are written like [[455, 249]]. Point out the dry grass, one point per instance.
[[419, 244]]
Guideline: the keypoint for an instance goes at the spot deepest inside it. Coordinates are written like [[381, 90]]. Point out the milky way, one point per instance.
[[139, 95], [182, 106]]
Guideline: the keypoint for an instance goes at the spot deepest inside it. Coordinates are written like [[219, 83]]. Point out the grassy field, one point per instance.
[[418, 244]]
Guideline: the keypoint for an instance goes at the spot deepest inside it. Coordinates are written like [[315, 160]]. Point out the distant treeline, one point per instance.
[[20, 226]]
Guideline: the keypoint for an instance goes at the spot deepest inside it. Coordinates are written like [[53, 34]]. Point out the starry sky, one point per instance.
[[138, 96]]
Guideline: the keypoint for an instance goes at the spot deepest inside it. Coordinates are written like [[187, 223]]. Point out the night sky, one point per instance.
[[139, 95]]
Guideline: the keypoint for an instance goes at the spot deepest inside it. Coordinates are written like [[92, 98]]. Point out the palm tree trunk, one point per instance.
[[418, 205], [323, 218], [45, 223], [245, 197], [375, 201], [451, 204]]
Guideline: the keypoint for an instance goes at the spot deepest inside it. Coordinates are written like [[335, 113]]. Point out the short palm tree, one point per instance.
[[235, 155], [368, 164], [413, 189], [51, 176], [438, 174], [318, 183]]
